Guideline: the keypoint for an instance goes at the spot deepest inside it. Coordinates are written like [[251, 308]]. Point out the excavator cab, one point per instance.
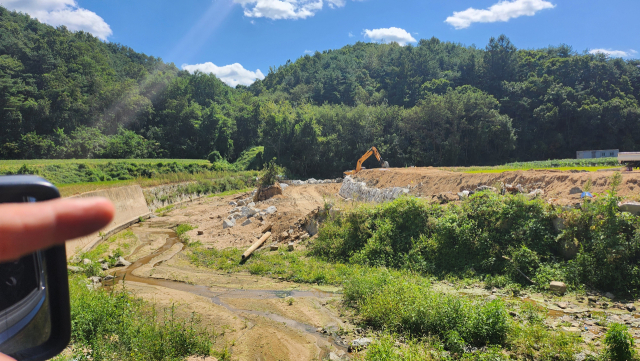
[[372, 150]]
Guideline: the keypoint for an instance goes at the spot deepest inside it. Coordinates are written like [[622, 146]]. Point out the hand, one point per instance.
[[28, 227]]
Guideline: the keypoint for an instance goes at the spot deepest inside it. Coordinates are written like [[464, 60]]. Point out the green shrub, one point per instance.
[[619, 343], [271, 173]]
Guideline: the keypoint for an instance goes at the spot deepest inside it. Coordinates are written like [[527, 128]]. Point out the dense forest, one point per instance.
[[69, 95]]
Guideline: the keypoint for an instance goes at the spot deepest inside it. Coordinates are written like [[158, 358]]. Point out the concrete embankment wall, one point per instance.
[[130, 206]]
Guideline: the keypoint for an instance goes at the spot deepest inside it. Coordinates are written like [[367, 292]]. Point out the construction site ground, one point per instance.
[[262, 318]]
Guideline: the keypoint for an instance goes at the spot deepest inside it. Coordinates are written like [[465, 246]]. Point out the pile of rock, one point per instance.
[[315, 181], [518, 188], [352, 189], [245, 209]]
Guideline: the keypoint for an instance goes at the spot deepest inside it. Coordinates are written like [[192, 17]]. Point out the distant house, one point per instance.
[[588, 154]]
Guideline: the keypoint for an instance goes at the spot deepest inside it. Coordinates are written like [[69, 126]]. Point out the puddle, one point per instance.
[[323, 342]]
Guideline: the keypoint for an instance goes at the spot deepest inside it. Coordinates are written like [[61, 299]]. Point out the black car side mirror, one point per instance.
[[34, 290]]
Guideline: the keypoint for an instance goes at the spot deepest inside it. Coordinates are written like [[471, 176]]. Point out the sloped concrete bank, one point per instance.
[[130, 205], [352, 189]]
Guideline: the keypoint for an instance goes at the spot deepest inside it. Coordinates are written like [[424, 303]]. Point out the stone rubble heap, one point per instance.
[[352, 189], [506, 188], [246, 209], [315, 181]]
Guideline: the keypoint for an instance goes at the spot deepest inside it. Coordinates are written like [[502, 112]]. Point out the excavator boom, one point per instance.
[[372, 150]]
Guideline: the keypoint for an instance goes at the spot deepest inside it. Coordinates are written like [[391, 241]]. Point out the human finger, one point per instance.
[[28, 227]]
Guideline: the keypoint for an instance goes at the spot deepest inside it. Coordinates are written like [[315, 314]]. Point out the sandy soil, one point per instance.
[[556, 184]]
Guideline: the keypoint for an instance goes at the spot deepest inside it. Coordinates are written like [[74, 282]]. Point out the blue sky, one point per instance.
[[239, 40]]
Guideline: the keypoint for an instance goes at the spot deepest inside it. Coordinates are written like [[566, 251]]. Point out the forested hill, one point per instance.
[[70, 95]]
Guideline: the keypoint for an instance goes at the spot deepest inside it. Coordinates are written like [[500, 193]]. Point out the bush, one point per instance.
[[619, 343], [271, 173]]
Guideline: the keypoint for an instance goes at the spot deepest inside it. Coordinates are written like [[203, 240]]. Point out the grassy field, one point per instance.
[[75, 176], [590, 165]]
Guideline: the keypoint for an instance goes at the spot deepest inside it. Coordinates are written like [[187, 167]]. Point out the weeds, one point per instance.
[[619, 343], [114, 325]]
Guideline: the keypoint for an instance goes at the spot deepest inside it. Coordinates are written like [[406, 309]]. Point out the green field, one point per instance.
[[590, 165]]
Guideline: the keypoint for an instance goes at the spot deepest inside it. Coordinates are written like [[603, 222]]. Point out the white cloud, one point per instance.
[[280, 9], [62, 12], [350, 34], [309, 52], [614, 53], [233, 74], [502, 11], [286, 9], [388, 35]]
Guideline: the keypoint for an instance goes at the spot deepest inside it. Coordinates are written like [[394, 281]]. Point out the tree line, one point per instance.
[[69, 95]]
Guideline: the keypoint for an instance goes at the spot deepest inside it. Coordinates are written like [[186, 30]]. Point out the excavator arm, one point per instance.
[[372, 150]]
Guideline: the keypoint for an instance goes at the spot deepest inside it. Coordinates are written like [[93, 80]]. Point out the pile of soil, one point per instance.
[[557, 185], [265, 193]]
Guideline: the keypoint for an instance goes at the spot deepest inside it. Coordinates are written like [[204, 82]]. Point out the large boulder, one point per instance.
[[265, 193], [558, 287], [228, 223]]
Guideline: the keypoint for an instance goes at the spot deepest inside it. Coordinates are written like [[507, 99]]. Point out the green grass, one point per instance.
[[39, 162], [590, 165], [115, 325]]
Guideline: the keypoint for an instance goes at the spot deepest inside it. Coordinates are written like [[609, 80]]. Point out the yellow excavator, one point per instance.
[[373, 150]]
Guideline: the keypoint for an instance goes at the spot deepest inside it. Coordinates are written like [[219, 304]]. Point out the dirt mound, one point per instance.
[[265, 193], [557, 185]]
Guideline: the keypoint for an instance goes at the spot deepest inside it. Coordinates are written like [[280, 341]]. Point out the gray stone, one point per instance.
[[312, 181], [241, 202], [105, 266], [630, 307], [108, 277], [486, 188], [74, 269], [359, 343], [251, 205], [609, 295], [86, 261], [233, 204], [228, 223], [121, 262], [247, 222], [630, 207], [575, 190], [271, 210], [334, 357], [558, 287], [274, 247], [291, 246], [95, 279], [463, 195], [283, 186], [536, 193], [562, 305]]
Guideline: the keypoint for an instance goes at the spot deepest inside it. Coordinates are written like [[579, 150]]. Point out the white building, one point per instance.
[[588, 154]]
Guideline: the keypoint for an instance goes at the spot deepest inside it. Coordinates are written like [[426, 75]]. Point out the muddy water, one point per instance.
[[323, 342]]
